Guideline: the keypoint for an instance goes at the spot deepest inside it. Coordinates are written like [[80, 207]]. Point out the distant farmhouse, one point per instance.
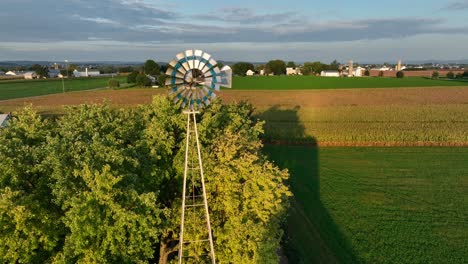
[[250, 73], [30, 75], [2, 73], [86, 73], [293, 71], [3, 119], [54, 73]]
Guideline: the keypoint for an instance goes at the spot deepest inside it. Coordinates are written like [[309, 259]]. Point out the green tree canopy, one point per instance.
[[131, 78], [100, 184], [241, 68], [277, 67], [334, 65], [291, 64], [151, 68], [40, 70], [142, 80], [311, 68]]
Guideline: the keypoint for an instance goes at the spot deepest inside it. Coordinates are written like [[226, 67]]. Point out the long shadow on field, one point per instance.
[[311, 235]]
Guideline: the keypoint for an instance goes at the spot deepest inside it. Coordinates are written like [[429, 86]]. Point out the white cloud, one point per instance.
[[98, 20]]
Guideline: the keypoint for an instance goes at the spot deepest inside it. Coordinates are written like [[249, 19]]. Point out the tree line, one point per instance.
[[103, 185], [278, 67]]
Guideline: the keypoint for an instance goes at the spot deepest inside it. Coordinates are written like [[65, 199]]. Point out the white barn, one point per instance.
[[330, 73], [86, 73], [11, 73], [30, 75], [250, 73]]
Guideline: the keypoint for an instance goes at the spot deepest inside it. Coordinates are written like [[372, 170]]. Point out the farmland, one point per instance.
[[376, 205], [26, 88], [312, 82], [364, 117], [399, 204]]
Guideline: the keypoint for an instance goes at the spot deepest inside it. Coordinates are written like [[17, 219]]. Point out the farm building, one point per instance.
[[384, 68], [3, 119], [86, 73], [330, 74], [250, 73], [12, 73], [30, 75], [293, 71], [2, 73], [53, 73], [358, 72]]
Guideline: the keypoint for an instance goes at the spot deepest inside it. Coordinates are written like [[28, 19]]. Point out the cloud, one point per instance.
[[456, 6], [243, 15], [98, 20], [139, 22], [362, 51]]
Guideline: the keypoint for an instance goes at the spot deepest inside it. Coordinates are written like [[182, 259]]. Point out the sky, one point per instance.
[[241, 30]]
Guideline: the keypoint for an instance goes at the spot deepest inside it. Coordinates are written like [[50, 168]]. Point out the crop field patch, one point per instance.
[[376, 205], [347, 117], [314, 82], [26, 88]]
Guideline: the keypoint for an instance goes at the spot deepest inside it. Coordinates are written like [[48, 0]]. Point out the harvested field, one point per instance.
[[341, 117], [261, 99]]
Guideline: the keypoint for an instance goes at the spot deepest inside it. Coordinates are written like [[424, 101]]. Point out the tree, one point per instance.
[[465, 74], [30, 226], [125, 69], [241, 68], [450, 75], [100, 184], [131, 78], [41, 71], [367, 73], [239, 180], [162, 80], [151, 68], [220, 65], [142, 80], [435, 75], [311, 68], [334, 65], [277, 67], [291, 64], [400, 74]]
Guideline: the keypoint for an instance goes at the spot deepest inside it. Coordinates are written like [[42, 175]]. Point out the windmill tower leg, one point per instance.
[[192, 131]]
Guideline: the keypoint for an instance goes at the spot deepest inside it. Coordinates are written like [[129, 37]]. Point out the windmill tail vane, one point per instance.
[[193, 79]]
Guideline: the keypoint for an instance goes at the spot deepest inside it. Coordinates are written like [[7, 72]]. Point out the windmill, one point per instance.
[[193, 78]]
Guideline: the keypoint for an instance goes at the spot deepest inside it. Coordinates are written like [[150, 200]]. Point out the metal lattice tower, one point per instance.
[[193, 78], [195, 214]]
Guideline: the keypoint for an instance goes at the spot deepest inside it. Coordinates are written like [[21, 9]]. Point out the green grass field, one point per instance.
[[376, 205], [368, 125], [26, 88], [312, 82]]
